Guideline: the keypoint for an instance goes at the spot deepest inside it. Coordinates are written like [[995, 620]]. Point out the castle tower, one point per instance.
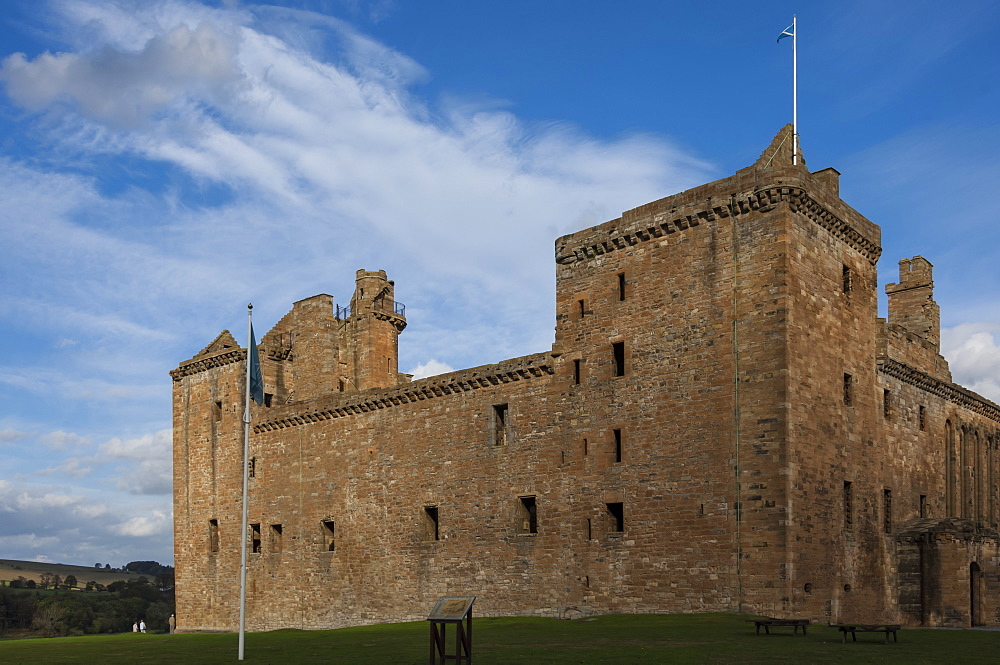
[[370, 335], [911, 301]]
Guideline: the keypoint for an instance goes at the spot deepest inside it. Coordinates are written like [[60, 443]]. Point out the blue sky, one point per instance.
[[164, 163]]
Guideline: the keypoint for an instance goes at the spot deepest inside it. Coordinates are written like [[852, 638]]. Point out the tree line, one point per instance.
[[51, 607]]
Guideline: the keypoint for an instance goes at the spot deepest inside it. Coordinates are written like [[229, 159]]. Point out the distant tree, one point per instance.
[[70, 581], [30, 584], [48, 620], [107, 566], [56, 581], [98, 565], [91, 586]]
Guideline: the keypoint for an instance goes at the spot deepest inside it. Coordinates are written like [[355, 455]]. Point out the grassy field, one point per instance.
[[628, 640], [11, 569]]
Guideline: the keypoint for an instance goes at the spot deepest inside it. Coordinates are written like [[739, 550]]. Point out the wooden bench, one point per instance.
[[855, 628], [767, 624]]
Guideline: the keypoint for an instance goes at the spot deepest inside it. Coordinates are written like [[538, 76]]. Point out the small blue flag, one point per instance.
[[787, 32], [256, 378]]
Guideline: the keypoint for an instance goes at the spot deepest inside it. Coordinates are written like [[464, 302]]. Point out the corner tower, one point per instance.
[[369, 334]]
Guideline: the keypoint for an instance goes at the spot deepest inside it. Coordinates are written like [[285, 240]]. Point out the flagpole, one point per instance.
[[246, 457], [795, 92]]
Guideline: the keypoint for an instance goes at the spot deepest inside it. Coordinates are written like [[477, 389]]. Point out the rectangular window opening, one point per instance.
[[255, 538], [590, 529], [213, 535], [276, 539], [618, 356], [329, 535], [887, 511], [922, 417], [616, 517], [252, 467], [847, 280], [585, 448], [618, 445], [582, 307], [431, 525], [923, 505], [848, 506], [577, 371], [886, 404], [529, 515], [848, 389], [268, 397], [621, 286], [217, 411], [499, 424]]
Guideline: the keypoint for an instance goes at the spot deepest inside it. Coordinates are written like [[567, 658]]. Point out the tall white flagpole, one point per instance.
[[246, 457], [795, 92]]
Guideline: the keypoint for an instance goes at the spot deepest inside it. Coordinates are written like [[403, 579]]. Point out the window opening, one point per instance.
[[267, 399], [923, 505], [618, 445], [887, 511], [431, 525], [576, 371], [529, 515], [618, 354], [217, 411], [255, 538], [276, 539], [847, 280], [585, 450], [922, 417], [621, 286], [886, 404], [590, 529], [848, 389], [329, 535], [616, 513], [252, 467], [848, 505], [582, 304], [213, 535], [499, 424]]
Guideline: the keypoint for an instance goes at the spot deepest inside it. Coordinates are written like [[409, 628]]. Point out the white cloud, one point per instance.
[[60, 440], [9, 435], [430, 368], [156, 523], [973, 352]]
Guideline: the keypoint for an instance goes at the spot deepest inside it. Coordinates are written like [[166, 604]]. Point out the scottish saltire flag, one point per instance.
[[787, 32], [256, 378]]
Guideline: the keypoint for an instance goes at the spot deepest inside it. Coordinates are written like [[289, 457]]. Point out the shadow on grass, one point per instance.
[[615, 639]]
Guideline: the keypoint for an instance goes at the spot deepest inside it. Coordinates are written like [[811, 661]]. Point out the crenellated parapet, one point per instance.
[[643, 225], [488, 376], [949, 391]]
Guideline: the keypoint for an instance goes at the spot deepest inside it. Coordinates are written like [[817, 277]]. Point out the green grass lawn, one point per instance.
[[619, 639]]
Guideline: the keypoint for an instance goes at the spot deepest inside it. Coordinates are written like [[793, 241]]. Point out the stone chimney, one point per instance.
[[911, 301]]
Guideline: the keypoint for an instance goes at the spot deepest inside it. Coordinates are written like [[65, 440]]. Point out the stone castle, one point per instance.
[[723, 423]]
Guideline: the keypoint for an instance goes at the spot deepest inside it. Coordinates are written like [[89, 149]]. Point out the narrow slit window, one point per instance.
[[431, 525], [499, 430], [217, 411], [213, 535], [582, 307], [848, 389], [577, 371], [616, 517], [529, 515], [618, 357], [886, 404], [252, 467], [922, 505], [618, 445], [329, 535], [887, 510], [276, 539], [590, 529], [268, 397], [848, 280], [621, 286], [586, 450], [848, 506], [922, 417], [255, 538]]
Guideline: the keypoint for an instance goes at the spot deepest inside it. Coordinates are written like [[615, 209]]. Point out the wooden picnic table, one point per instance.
[[767, 624], [855, 628]]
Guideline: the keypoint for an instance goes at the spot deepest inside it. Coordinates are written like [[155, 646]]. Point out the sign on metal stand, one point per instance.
[[455, 610]]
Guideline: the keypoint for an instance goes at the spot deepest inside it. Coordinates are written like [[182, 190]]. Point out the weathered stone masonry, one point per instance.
[[721, 424]]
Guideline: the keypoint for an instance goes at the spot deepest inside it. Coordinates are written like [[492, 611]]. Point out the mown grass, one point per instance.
[[620, 639]]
